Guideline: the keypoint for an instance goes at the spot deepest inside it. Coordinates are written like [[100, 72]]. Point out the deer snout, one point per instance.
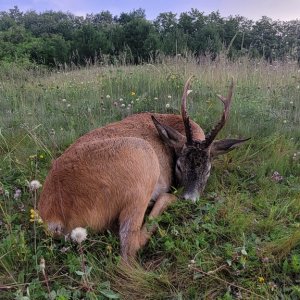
[[190, 196]]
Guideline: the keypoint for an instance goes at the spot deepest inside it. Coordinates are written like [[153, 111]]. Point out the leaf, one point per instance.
[[80, 273], [110, 294]]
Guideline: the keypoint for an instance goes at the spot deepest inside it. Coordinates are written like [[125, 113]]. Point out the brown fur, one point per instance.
[[109, 175]]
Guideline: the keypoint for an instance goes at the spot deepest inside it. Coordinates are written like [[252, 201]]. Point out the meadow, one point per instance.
[[240, 240]]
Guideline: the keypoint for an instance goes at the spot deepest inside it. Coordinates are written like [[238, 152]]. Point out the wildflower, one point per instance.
[[192, 261], [107, 96], [298, 87], [291, 102], [17, 194], [34, 185], [272, 285], [261, 279], [64, 100], [284, 121], [133, 93], [35, 217], [79, 235], [42, 265], [169, 96], [68, 105], [132, 102], [276, 177], [129, 105], [137, 99], [155, 98], [122, 105], [188, 92], [108, 249], [121, 99], [41, 156], [168, 105]]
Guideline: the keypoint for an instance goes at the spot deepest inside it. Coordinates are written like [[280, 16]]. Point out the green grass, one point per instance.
[[241, 240]]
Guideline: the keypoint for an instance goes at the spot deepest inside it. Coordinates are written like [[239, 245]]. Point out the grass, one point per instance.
[[239, 241]]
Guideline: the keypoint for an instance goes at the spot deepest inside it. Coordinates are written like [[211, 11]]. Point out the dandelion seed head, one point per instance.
[[79, 235], [34, 185]]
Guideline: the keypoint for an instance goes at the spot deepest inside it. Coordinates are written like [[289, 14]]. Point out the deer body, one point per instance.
[[111, 173]]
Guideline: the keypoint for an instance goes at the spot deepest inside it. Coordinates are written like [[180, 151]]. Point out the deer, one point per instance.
[[113, 173]]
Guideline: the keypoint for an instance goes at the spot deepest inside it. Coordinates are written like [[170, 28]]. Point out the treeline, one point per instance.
[[53, 38]]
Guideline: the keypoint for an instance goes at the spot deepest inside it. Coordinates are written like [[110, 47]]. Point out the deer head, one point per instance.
[[193, 157]]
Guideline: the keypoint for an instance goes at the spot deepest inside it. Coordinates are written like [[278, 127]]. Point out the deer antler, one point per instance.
[[226, 101], [185, 116]]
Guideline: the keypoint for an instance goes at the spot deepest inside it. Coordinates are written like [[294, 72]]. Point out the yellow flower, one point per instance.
[[41, 156], [261, 279], [132, 93], [34, 216]]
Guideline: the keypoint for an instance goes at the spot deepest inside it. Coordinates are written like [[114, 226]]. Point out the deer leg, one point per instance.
[[131, 221], [161, 204]]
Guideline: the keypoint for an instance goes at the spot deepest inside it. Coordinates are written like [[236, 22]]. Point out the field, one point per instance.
[[240, 240]]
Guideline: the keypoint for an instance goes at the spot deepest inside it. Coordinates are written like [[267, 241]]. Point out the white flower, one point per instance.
[[188, 92], [129, 105], [78, 235], [121, 99], [107, 96], [34, 185], [167, 105], [64, 100], [122, 105], [284, 121], [169, 96], [68, 105], [155, 98], [132, 102], [291, 102]]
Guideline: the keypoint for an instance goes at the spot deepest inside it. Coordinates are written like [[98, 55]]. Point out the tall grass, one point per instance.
[[240, 240]]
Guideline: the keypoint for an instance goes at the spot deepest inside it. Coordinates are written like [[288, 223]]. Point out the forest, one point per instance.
[[55, 38]]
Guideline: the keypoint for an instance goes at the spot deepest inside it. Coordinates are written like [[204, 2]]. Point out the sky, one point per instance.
[[252, 9]]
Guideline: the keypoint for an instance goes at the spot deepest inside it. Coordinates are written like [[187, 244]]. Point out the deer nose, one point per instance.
[[190, 196]]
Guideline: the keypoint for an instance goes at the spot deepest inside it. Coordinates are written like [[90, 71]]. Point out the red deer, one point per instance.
[[111, 173]]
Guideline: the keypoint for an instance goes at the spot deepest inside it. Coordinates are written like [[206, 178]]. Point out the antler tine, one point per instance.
[[185, 116], [226, 101]]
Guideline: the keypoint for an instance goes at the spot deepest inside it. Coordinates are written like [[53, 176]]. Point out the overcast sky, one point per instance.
[[252, 9]]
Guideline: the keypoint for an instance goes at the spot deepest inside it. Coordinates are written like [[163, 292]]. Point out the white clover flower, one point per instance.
[[122, 105], [121, 99], [64, 100], [68, 105], [78, 235], [34, 185], [132, 102], [107, 96], [169, 96], [284, 121], [168, 105], [17, 194], [155, 98]]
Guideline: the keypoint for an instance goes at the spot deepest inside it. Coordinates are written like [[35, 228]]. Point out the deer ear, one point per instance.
[[223, 146], [169, 135]]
